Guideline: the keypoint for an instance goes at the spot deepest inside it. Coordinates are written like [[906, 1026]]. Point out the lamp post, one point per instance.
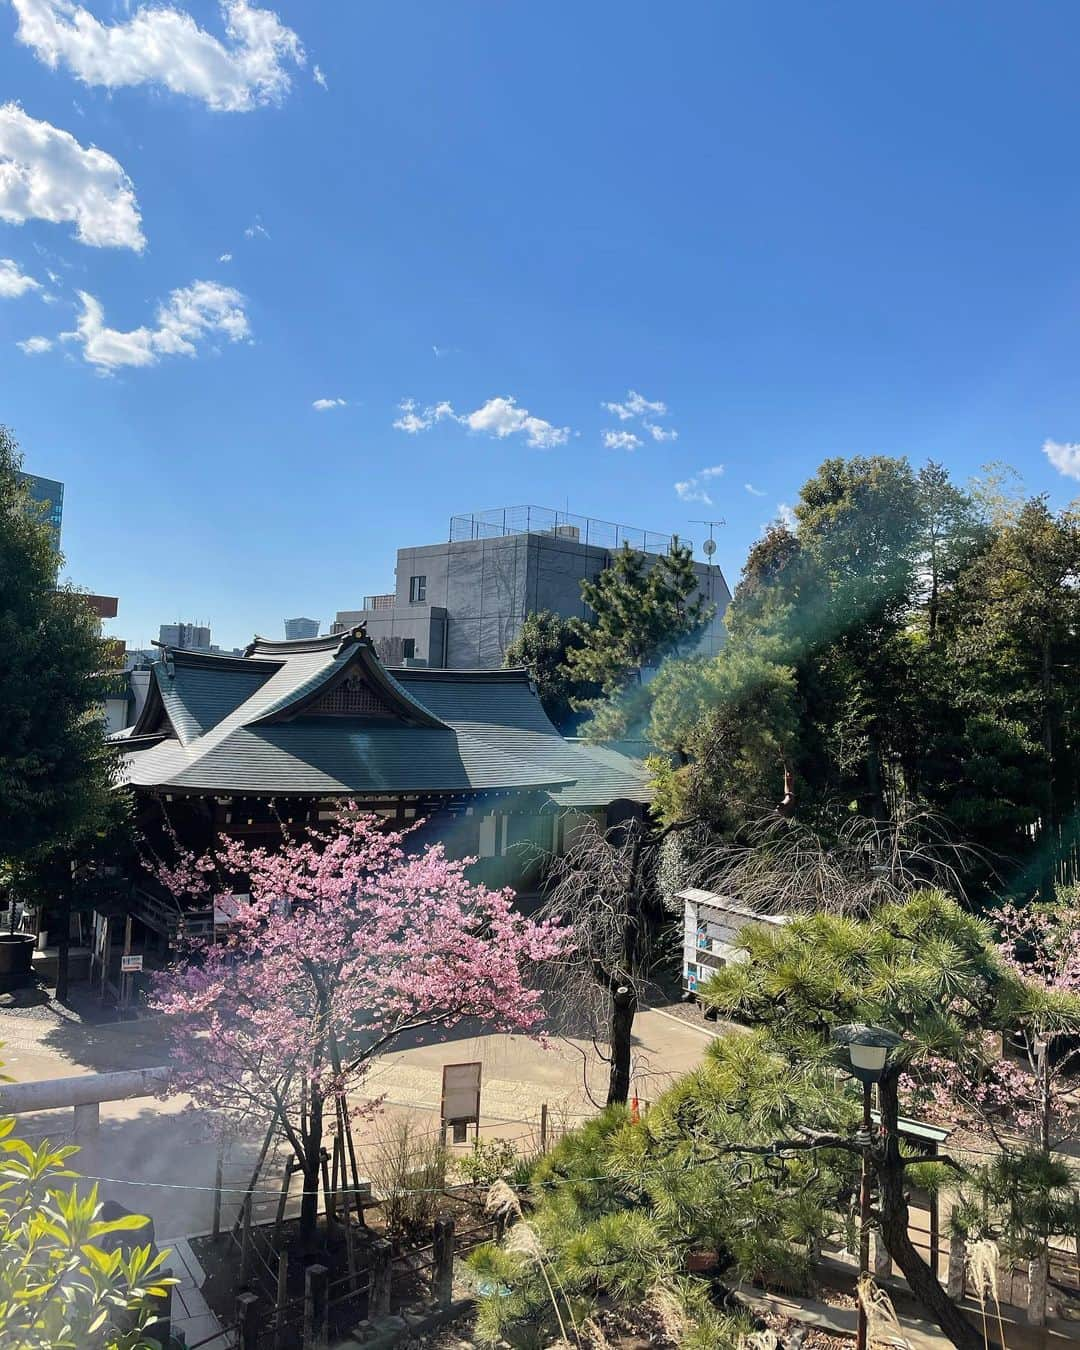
[[868, 1053]]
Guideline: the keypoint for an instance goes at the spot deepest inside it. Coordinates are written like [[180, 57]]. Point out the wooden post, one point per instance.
[[105, 949], [219, 1168], [442, 1280], [343, 1110], [280, 1331], [328, 1195], [338, 1170], [247, 1322], [279, 1218], [543, 1127], [957, 1259], [350, 1249], [316, 1311], [379, 1280], [245, 1239], [125, 980]]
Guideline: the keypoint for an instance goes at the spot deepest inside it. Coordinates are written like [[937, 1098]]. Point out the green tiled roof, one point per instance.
[[250, 726]]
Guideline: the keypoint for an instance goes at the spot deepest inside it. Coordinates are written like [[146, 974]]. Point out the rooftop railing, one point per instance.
[[508, 520]]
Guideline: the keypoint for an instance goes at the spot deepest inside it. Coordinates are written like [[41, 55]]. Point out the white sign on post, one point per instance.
[[461, 1097], [131, 964]]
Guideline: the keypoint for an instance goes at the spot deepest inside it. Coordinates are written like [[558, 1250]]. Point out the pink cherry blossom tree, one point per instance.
[[1032, 1093], [341, 944]]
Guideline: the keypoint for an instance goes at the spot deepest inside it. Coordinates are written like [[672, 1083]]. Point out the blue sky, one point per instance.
[[802, 229]]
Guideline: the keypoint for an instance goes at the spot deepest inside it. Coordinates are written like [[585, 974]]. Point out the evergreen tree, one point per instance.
[[1014, 642], [56, 769], [923, 969], [642, 612], [541, 647], [906, 644], [950, 531], [617, 1206]]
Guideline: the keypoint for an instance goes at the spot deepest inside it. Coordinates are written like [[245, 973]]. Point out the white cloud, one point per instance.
[[165, 46], [694, 489], [257, 231], [319, 77], [225, 257], [35, 346], [621, 440], [753, 491], [498, 417], [661, 433], [502, 417], [786, 515], [635, 406], [325, 404], [691, 490], [1065, 457], [644, 410], [45, 174], [414, 418], [14, 283], [190, 314]]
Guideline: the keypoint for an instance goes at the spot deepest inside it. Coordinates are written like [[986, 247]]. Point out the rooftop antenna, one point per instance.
[[709, 546]]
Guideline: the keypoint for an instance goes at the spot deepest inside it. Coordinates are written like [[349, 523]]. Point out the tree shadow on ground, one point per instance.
[[161, 1163]]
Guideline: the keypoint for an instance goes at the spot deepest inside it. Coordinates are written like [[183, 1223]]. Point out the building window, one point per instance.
[[417, 590], [408, 648]]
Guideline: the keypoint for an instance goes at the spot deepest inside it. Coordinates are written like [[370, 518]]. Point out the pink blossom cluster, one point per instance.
[[1041, 944], [339, 944]]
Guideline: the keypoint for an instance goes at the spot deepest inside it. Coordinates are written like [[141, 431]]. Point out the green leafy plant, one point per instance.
[[65, 1283], [491, 1160]]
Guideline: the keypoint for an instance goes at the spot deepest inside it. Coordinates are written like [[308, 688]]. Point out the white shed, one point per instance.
[[711, 927]]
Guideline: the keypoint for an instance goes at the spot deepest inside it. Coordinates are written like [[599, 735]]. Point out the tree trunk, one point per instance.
[[874, 785], [1051, 842], [922, 1281], [312, 1168], [623, 1011], [1038, 1274], [63, 949]]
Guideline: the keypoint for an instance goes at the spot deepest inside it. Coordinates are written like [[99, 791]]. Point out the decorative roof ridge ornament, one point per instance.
[[354, 635]]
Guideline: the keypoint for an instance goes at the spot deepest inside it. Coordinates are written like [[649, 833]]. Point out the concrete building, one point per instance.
[[49, 496], [189, 636], [460, 604], [298, 629]]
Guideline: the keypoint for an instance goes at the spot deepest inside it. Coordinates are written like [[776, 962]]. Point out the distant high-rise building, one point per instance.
[[48, 494], [190, 636], [301, 628]]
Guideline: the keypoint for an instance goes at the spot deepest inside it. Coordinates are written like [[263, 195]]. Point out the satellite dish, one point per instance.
[[709, 547]]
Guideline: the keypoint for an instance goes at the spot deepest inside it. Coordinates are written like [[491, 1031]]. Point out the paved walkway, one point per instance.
[[158, 1156], [191, 1313]]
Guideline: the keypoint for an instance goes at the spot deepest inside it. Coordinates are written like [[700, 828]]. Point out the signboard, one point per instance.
[[227, 908], [131, 964], [461, 1097]]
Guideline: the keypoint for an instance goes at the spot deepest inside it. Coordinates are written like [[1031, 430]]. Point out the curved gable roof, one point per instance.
[[253, 726], [350, 658]]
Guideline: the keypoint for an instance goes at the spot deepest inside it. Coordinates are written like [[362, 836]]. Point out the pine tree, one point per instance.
[[924, 969], [642, 613]]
